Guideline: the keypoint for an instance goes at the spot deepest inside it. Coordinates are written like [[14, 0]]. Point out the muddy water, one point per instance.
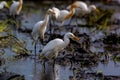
[[32, 69]]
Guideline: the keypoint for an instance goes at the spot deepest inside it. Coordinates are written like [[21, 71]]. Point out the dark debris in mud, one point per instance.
[[11, 76], [94, 76], [112, 39]]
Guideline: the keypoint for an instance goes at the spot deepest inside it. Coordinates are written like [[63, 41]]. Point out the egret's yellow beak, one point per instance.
[[7, 6], [96, 10], [76, 38]]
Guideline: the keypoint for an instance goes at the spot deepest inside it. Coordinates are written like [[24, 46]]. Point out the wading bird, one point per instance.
[[40, 28], [3, 4], [62, 15], [16, 7], [82, 8], [52, 48]]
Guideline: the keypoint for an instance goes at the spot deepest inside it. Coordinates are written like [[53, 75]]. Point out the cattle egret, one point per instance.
[[3, 4], [54, 46], [16, 7], [82, 8], [40, 28]]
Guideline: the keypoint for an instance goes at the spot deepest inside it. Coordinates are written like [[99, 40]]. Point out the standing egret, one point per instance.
[[62, 15], [82, 8], [3, 4], [40, 28], [16, 7], [53, 47]]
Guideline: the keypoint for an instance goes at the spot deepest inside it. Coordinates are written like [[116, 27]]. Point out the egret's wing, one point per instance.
[[52, 48], [53, 45], [49, 54], [63, 14], [35, 30], [82, 5]]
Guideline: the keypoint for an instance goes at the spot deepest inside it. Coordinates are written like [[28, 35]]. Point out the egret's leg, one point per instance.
[[54, 68], [53, 22], [70, 21], [71, 64], [50, 25], [62, 23], [76, 20], [15, 17], [35, 46], [44, 66]]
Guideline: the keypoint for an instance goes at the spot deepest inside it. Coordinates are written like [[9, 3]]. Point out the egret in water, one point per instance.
[[40, 28], [82, 8], [52, 48], [16, 7], [62, 15], [3, 4]]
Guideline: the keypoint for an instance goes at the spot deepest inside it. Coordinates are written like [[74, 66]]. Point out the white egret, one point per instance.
[[40, 28], [62, 15], [16, 7], [82, 8], [53, 47], [3, 4]]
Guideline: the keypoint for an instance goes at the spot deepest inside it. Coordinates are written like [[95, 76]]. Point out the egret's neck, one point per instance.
[[66, 40], [46, 19], [19, 7], [44, 25], [21, 1], [71, 13]]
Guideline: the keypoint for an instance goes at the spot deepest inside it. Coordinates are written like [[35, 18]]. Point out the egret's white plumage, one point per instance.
[[16, 7], [54, 46], [40, 27], [62, 15], [82, 8], [3, 4]]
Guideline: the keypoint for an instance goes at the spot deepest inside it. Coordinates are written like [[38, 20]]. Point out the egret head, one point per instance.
[[50, 11], [93, 8], [56, 12], [5, 4], [72, 36]]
